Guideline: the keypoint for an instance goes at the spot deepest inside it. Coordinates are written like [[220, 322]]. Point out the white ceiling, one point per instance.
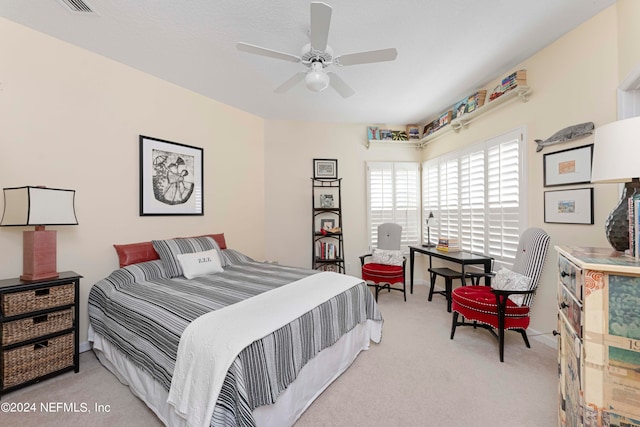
[[446, 49]]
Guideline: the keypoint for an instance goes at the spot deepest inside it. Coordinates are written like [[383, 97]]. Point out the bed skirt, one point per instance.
[[311, 381]]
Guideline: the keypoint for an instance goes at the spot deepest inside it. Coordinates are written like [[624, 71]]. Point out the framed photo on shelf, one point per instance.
[[373, 133], [325, 168], [327, 224], [569, 206], [571, 166], [171, 178], [326, 201]]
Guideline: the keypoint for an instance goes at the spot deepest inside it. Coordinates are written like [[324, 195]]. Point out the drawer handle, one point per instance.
[[41, 344], [563, 305], [555, 333], [40, 319], [42, 292], [564, 274]]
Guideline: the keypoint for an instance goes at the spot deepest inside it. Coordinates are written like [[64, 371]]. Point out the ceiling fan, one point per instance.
[[317, 56]]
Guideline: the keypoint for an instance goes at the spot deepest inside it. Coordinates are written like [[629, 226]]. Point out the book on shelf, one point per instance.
[[448, 244], [326, 250], [634, 226]]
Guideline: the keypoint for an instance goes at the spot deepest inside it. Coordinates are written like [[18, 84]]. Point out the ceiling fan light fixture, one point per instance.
[[316, 79]]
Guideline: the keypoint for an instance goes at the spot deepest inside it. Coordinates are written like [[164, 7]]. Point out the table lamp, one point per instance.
[[39, 207], [615, 160], [430, 221]]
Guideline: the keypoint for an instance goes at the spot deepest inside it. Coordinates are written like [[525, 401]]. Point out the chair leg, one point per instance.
[[377, 291], [524, 336], [404, 289], [454, 323], [433, 284]]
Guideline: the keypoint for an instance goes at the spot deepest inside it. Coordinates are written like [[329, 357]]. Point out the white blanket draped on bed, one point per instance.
[[210, 344]]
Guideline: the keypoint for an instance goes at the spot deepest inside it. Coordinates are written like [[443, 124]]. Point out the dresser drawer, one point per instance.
[[571, 277], [28, 362], [14, 303], [36, 326], [571, 309]]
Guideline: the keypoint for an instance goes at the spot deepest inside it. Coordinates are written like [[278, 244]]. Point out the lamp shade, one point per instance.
[[25, 206], [614, 152]]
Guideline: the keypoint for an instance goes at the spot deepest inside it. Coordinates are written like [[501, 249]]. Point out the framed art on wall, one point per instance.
[[571, 166], [569, 206], [325, 168], [171, 178]]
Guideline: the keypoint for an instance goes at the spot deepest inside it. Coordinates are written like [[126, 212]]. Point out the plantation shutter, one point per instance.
[[472, 201], [430, 200], [393, 197], [503, 196]]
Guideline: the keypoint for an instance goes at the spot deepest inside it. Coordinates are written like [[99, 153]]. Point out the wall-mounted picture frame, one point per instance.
[[327, 224], [171, 178], [569, 206], [571, 166], [325, 168]]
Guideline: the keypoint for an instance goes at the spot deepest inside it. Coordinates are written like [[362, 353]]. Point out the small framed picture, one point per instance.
[[569, 206], [571, 166], [325, 168], [326, 201], [373, 133], [327, 224], [413, 131], [386, 134]]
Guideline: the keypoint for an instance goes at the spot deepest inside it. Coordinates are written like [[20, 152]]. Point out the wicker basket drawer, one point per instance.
[[37, 299], [37, 326], [25, 363]]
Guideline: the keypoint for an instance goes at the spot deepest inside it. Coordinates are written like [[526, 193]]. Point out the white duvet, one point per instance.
[[210, 344]]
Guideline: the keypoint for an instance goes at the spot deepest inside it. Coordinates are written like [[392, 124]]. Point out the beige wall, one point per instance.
[[628, 36], [71, 119]]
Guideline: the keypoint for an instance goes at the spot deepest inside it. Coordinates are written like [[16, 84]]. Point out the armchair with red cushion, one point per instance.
[[385, 267], [506, 304]]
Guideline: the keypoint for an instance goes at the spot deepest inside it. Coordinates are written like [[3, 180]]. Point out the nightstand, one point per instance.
[[38, 329]]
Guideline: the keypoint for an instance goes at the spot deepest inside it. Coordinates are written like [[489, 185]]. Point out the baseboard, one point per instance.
[[85, 346], [547, 339]]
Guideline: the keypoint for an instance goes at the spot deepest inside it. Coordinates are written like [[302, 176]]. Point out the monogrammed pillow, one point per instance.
[[200, 263]]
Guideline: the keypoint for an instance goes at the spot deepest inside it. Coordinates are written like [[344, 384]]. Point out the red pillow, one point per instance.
[[135, 253]]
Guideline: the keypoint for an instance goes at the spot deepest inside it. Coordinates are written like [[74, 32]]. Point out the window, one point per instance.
[[393, 195], [476, 196]]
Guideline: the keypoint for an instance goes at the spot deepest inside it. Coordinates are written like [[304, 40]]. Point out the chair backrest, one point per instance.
[[530, 257], [389, 236]]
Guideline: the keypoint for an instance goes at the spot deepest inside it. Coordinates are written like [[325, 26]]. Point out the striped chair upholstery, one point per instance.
[[482, 306], [383, 276]]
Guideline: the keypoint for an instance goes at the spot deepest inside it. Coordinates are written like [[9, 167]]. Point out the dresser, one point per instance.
[[38, 329], [599, 338]]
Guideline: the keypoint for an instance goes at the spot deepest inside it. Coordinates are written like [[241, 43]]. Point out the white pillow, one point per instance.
[[387, 257], [200, 263], [508, 280]]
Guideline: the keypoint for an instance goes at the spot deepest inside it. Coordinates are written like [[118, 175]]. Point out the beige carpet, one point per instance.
[[416, 376]]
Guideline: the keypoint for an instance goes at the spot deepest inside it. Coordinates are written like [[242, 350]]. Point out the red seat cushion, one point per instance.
[[382, 273], [479, 303]]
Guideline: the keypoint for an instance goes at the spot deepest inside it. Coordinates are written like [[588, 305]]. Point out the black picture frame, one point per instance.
[[568, 167], [325, 169], [171, 178], [572, 206], [327, 224]]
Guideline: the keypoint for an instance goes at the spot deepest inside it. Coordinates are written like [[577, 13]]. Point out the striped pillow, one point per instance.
[[169, 249]]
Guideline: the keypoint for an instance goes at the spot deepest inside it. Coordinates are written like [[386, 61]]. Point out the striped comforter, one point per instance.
[[143, 313]]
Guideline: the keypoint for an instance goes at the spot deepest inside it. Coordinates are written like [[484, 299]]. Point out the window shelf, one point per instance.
[[407, 144], [520, 92]]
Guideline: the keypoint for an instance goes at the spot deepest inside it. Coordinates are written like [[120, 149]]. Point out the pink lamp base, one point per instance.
[[39, 255]]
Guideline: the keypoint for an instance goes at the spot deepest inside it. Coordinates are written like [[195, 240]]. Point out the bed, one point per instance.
[[239, 342]]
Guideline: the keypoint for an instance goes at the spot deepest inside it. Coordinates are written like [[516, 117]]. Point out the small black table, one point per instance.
[[459, 257]]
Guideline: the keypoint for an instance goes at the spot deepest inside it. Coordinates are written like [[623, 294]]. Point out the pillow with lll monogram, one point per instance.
[[198, 264]]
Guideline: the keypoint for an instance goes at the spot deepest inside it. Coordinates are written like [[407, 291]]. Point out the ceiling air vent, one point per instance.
[[77, 6]]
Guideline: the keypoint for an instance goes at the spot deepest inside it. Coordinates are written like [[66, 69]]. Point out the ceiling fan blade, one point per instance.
[[340, 86], [367, 57], [294, 80], [249, 48], [320, 21]]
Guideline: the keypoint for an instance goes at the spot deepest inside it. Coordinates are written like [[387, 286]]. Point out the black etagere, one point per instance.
[[326, 225]]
